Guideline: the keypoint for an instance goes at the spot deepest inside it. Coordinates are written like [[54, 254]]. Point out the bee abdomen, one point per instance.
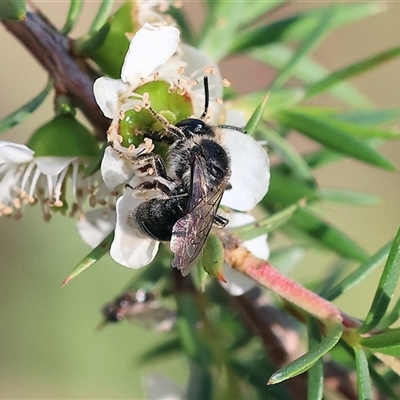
[[156, 217]]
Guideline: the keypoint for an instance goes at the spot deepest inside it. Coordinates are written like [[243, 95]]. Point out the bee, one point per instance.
[[188, 192]]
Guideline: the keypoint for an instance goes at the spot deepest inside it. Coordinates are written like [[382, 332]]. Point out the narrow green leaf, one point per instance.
[[94, 256], [315, 377], [390, 318], [333, 136], [368, 117], [298, 26], [387, 285], [306, 46], [169, 347], [307, 360], [386, 343], [13, 10], [23, 112], [200, 385], [75, 10], [360, 273], [279, 195], [321, 158], [288, 154], [220, 26], [351, 70], [308, 70], [328, 236], [363, 379], [101, 17], [250, 231], [257, 9], [256, 117], [349, 197], [338, 120]]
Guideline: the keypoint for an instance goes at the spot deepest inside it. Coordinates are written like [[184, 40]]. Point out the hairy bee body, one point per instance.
[[188, 192]]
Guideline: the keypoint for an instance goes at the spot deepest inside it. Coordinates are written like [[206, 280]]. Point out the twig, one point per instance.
[[51, 50]]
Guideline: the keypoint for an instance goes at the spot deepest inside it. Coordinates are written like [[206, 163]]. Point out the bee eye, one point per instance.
[[190, 126]]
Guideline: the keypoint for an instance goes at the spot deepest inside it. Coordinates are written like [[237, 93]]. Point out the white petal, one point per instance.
[[236, 118], [53, 165], [250, 171], [15, 153], [150, 48], [115, 170], [107, 92], [259, 245], [96, 225], [237, 283], [130, 247], [196, 61]]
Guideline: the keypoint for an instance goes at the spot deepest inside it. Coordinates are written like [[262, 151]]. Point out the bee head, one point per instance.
[[194, 126]]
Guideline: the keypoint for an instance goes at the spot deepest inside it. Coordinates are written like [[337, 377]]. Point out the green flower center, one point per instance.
[[173, 106]]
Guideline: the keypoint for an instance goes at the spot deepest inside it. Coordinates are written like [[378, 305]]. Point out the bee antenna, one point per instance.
[[174, 130], [235, 128], [206, 98]]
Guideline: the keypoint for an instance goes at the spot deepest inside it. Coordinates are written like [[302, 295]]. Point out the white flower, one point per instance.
[[149, 50], [155, 53], [130, 247], [236, 283], [95, 225], [133, 249], [25, 179], [250, 171]]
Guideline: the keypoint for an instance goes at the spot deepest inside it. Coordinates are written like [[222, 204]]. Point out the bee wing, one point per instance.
[[189, 233]]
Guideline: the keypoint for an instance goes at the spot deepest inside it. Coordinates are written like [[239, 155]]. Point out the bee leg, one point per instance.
[[219, 221], [143, 189], [151, 163]]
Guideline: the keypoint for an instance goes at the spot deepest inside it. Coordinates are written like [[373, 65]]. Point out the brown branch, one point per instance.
[[51, 50]]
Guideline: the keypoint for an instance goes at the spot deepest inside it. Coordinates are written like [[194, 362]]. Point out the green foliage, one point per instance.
[[227, 340], [18, 116], [306, 361]]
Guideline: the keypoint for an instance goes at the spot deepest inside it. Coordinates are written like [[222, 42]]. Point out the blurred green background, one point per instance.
[[48, 344]]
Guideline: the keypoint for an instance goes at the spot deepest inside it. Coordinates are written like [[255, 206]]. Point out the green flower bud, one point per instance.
[[213, 257], [111, 39], [63, 136], [13, 10]]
